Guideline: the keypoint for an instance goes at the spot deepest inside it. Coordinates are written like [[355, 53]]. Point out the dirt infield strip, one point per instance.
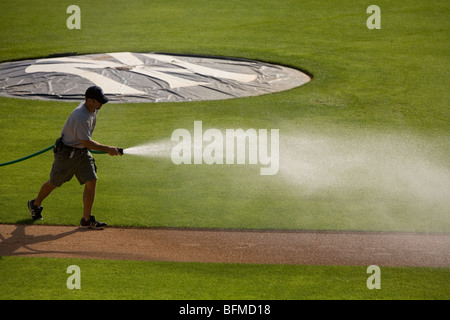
[[228, 246]]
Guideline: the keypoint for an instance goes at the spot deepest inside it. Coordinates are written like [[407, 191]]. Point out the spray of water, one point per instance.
[[159, 149], [389, 177], [387, 166]]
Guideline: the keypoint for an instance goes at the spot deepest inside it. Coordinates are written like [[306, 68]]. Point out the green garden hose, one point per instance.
[[27, 157], [38, 153]]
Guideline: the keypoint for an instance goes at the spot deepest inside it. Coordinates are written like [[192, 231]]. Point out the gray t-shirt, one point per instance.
[[79, 126]]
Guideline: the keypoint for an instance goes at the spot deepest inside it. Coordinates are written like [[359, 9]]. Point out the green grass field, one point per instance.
[[364, 145], [106, 279]]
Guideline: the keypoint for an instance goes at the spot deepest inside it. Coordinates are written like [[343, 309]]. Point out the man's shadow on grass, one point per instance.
[[19, 239]]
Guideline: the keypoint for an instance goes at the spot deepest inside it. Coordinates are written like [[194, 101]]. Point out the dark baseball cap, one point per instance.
[[96, 93]]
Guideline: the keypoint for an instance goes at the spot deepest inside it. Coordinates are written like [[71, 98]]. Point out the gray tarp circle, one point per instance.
[[145, 77]]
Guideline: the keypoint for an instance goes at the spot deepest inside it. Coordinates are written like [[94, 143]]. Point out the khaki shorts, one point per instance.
[[67, 164]]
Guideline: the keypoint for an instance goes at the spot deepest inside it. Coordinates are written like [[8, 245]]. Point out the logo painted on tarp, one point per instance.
[[145, 77]]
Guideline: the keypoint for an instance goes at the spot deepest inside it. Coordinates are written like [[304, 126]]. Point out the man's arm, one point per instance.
[[94, 145]]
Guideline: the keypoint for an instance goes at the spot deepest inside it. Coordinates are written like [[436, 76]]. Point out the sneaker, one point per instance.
[[92, 224], [35, 210]]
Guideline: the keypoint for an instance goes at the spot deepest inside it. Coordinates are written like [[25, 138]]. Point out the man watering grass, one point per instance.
[[72, 157]]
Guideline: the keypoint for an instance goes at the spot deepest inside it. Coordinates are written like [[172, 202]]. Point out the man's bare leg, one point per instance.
[[88, 198], [46, 189]]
